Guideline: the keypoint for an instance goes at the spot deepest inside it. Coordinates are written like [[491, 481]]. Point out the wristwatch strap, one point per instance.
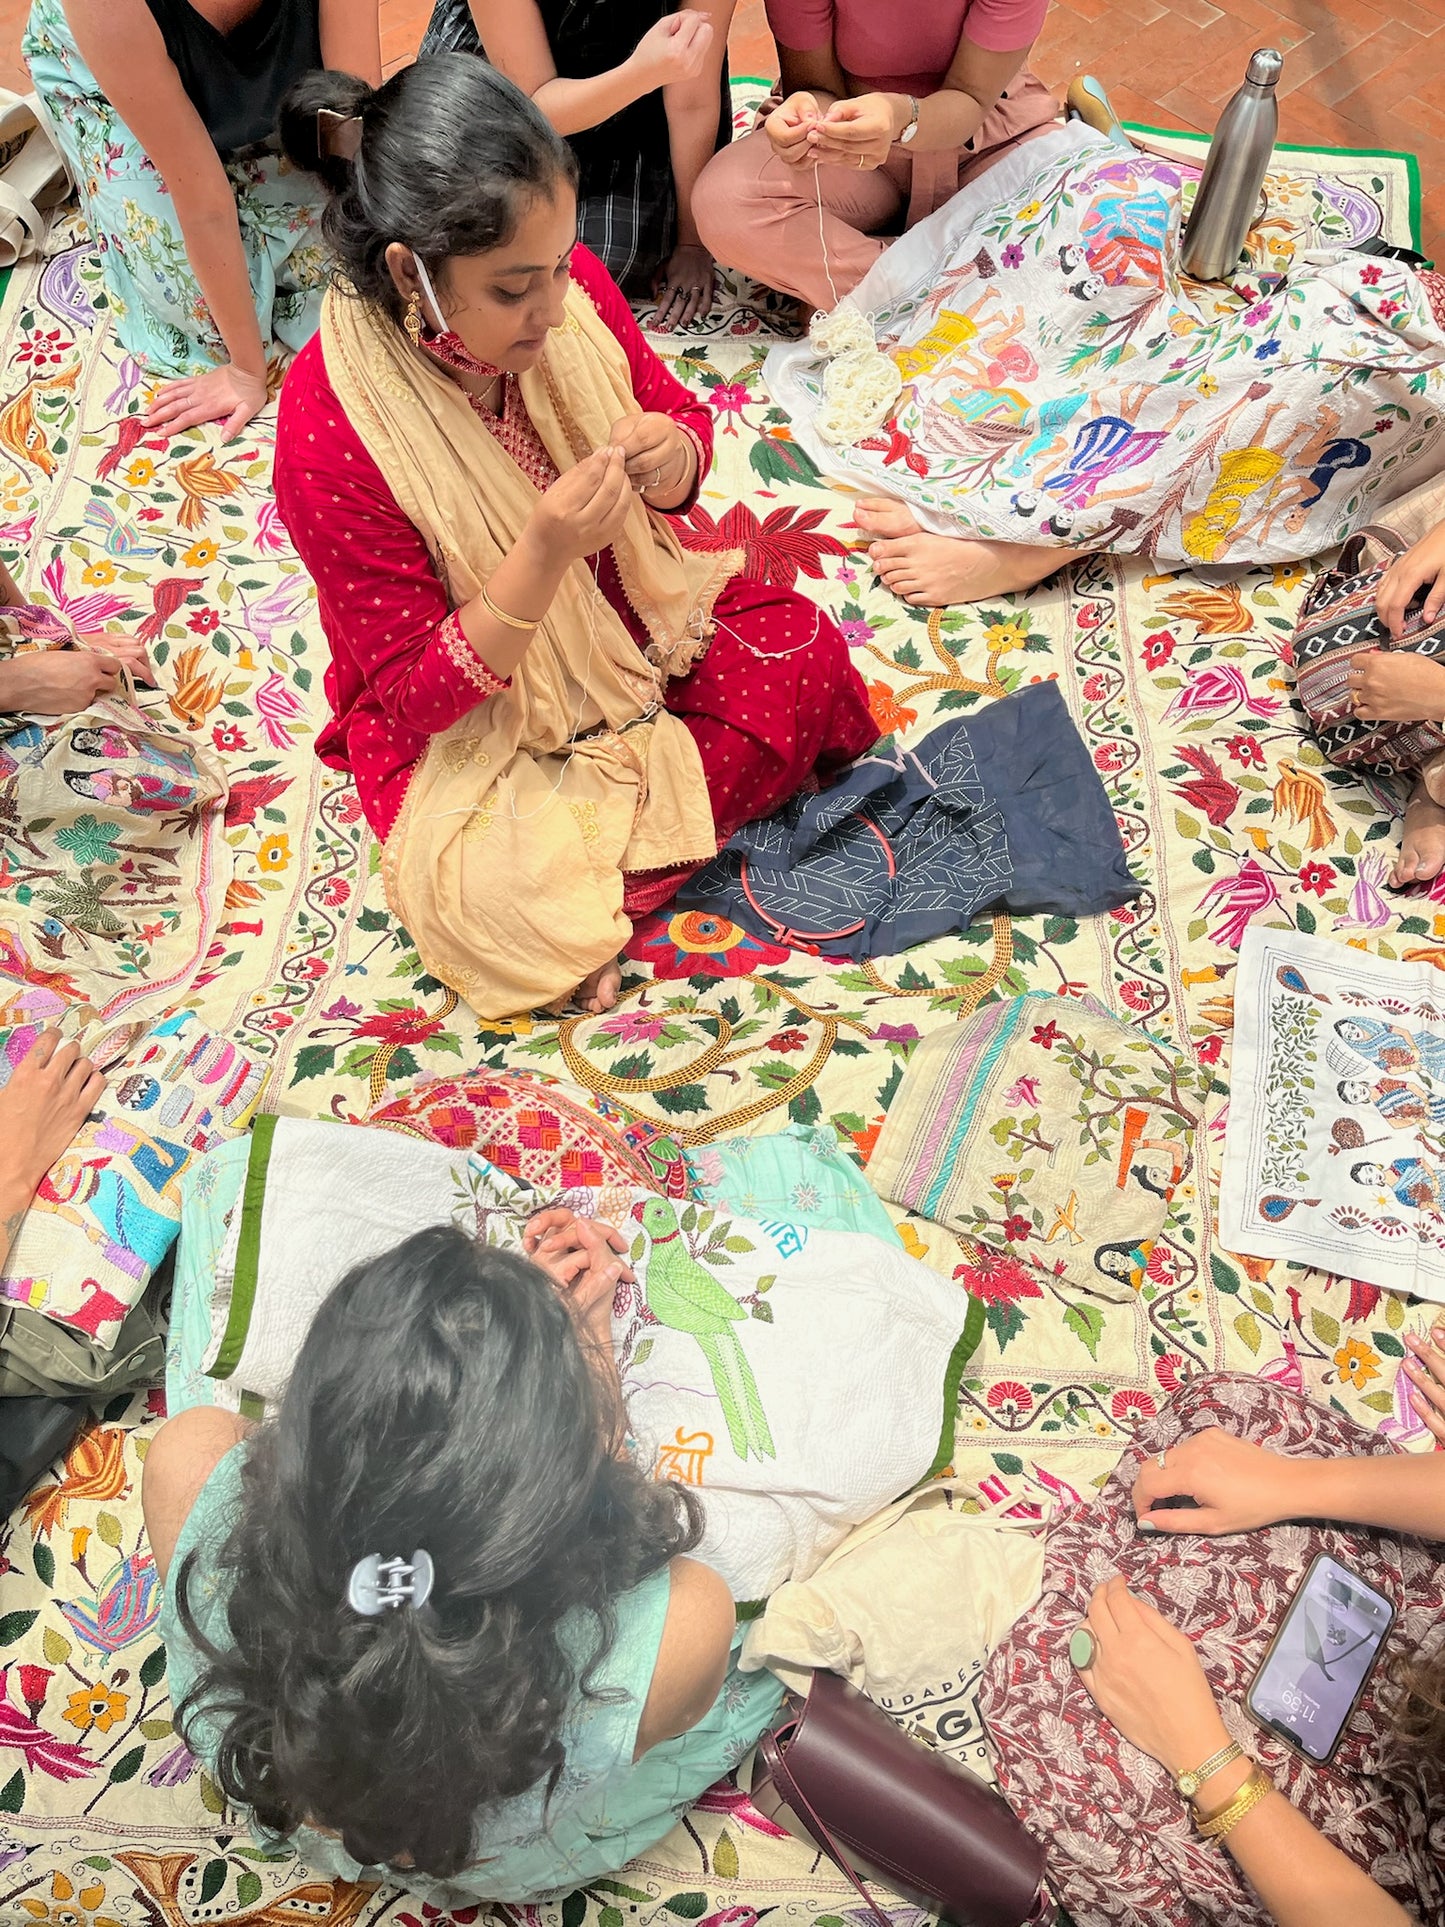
[[912, 128], [1189, 1783]]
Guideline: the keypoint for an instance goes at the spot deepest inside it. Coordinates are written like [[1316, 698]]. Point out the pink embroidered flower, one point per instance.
[[997, 1279], [341, 1010], [203, 622], [856, 632], [334, 892], [1244, 749], [1128, 1407], [228, 736], [43, 348], [1157, 649], [1210, 1049], [276, 1020], [1390, 308], [1096, 688], [634, 1026], [1317, 877], [1022, 1094], [1370, 276], [1135, 995], [1109, 758], [729, 398], [313, 967], [1009, 1399], [1169, 1370], [348, 808]]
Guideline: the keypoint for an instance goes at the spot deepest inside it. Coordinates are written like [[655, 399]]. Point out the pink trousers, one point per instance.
[[757, 214]]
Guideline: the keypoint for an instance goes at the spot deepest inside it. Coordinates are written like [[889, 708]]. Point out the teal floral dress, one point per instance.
[[161, 315], [606, 1808]]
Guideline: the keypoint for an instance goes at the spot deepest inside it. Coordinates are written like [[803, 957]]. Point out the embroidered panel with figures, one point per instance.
[[1337, 1130], [1052, 1135], [1226, 809], [109, 1210]]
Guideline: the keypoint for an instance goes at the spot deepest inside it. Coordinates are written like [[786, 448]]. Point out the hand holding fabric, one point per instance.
[[1146, 1679], [1405, 577], [1235, 1486]]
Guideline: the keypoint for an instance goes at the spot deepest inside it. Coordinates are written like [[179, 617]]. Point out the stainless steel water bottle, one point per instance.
[[1228, 198]]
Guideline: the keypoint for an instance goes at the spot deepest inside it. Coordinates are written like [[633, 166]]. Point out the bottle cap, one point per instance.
[[1265, 67]]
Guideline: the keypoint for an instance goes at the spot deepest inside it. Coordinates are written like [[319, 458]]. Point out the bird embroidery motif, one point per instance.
[[682, 1295]]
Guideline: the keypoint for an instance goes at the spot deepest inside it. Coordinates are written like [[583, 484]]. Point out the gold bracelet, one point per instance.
[[511, 622], [1189, 1783], [1255, 1789]]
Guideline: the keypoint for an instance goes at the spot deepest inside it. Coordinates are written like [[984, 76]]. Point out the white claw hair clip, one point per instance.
[[377, 1584]]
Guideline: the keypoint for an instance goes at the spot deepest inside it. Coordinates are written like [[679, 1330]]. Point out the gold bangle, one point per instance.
[[1189, 1783], [511, 622], [1255, 1788]]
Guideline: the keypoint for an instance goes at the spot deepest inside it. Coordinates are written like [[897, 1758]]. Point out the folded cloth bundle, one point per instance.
[[1048, 1131], [1001, 809]]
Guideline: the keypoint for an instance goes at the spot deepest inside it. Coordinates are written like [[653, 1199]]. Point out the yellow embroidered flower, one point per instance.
[[1207, 386], [1028, 211], [98, 575], [79, 1540], [200, 555], [1005, 1180], [1357, 1363], [66, 1907], [1003, 636], [274, 854], [1288, 575], [140, 473], [98, 1706]]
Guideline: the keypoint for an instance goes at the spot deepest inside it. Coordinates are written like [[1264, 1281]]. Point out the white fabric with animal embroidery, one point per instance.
[[799, 1380]]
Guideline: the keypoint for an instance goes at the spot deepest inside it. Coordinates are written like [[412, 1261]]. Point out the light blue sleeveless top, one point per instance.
[[605, 1810]]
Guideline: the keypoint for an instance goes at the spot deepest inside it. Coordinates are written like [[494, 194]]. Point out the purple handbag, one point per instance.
[[886, 1807]]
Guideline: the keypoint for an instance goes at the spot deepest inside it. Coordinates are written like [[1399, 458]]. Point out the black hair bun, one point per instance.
[[311, 95]]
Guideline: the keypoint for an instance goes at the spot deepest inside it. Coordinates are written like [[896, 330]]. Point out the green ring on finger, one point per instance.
[[1082, 1648]]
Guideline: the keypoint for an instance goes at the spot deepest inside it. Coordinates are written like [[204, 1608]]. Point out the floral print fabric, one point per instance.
[[1064, 382], [1123, 1851], [161, 315]]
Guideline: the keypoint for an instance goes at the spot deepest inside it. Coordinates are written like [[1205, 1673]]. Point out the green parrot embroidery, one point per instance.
[[684, 1297]]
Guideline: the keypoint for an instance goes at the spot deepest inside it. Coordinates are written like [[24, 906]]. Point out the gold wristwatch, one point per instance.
[[1189, 1783], [912, 128]]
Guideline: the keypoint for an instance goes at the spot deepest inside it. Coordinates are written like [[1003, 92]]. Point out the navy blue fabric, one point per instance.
[[1000, 810]]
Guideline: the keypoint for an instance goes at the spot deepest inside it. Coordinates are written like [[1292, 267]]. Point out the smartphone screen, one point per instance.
[[1316, 1669]]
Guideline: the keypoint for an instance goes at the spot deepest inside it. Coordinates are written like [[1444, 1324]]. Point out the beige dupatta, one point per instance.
[[506, 862]]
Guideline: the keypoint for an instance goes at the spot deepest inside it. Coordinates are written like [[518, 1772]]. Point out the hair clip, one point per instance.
[[338, 135], [377, 1583]]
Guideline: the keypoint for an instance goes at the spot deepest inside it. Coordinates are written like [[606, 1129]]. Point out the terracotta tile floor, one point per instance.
[[1358, 73]]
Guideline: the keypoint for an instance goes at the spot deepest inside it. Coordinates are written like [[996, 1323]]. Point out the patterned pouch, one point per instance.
[[1048, 1131], [1337, 623]]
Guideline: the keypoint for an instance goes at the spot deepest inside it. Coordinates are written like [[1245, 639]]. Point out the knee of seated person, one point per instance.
[[722, 202]]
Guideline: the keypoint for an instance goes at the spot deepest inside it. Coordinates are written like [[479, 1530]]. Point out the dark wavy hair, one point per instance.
[[451, 156], [442, 1400]]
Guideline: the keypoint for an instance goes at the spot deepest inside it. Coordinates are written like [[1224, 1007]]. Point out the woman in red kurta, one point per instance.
[[774, 704]]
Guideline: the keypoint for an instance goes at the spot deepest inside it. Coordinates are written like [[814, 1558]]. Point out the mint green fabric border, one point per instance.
[[248, 1254]]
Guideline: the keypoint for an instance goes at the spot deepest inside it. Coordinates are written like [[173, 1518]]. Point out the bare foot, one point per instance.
[[936, 571], [1398, 686], [879, 516], [1422, 847], [599, 991]]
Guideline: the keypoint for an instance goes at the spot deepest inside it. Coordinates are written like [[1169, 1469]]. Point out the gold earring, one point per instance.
[[412, 319]]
